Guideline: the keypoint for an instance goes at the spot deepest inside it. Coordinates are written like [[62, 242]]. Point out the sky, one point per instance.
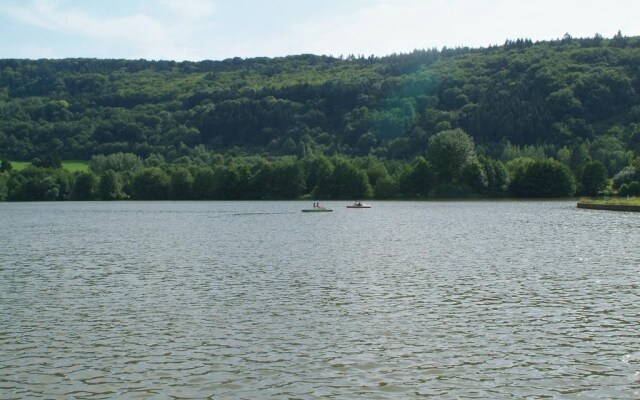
[[218, 29]]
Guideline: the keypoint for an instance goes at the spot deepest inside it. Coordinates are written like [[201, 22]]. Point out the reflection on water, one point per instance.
[[256, 299]]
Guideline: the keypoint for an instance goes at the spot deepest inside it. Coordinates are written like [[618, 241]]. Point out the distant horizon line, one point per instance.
[[338, 57]]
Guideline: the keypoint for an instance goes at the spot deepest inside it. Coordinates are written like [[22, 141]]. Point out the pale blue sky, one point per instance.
[[218, 29]]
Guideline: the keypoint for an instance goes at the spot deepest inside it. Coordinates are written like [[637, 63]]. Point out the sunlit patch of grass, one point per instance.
[[76, 165], [69, 165], [19, 165], [623, 201]]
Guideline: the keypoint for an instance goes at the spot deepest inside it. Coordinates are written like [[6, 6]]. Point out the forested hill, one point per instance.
[[566, 94]]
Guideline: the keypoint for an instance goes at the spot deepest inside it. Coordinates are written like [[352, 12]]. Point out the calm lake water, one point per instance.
[[248, 300]]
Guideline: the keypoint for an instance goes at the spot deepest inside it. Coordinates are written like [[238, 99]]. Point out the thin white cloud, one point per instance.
[[37, 13], [389, 26], [139, 35], [192, 10], [379, 27], [198, 29], [36, 51]]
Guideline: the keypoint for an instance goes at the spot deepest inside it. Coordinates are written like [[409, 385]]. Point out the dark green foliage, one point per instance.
[[49, 161], [37, 184], [181, 183], [594, 178], [451, 191], [449, 152], [5, 166], [405, 125], [277, 180], [117, 162], [151, 184], [4, 190], [630, 189], [256, 178], [628, 179], [231, 181], [417, 179], [474, 176], [559, 93], [496, 174], [345, 181], [110, 186], [542, 178], [386, 188], [319, 171], [204, 187], [289, 182], [85, 186], [626, 175]]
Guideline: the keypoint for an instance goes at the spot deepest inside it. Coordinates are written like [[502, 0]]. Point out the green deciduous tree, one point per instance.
[[5, 166], [36, 184], [386, 188], [345, 181], [181, 183], [4, 188], [151, 184], [474, 176], [449, 151], [289, 182], [319, 172], [630, 189], [117, 162], [497, 176], [110, 187], [85, 186], [204, 184], [543, 178], [594, 178], [416, 180]]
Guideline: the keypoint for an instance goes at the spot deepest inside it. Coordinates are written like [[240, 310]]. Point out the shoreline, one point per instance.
[[608, 207]]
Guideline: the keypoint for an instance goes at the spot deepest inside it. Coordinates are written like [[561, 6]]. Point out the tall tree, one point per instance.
[[544, 178], [5, 166], [448, 152], [151, 184], [594, 178], [84, 186], [110, 187]]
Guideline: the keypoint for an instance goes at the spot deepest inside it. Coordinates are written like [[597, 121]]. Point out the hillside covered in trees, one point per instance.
[[450, 122]]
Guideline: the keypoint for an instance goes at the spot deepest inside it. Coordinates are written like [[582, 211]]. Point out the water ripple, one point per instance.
[[255, 300]]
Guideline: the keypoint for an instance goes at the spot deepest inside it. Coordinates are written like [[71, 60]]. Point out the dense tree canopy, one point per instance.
[[543, 178], [450, 153], [594, 178], [560, 93], [428, 123]]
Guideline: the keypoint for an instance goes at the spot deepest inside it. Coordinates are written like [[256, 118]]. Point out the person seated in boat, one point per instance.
[[314, 205]]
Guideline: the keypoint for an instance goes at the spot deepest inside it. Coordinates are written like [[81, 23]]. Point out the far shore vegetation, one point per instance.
[[548, 119]]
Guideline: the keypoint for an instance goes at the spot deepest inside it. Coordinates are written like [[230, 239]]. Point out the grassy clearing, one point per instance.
[[19, 165], [69, 165], [623, 201], [76, 165]]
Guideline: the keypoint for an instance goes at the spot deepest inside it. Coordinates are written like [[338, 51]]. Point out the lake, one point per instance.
[[247, 300]]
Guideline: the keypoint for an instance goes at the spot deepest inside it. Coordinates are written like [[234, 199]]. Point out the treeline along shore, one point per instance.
[[545, 119]]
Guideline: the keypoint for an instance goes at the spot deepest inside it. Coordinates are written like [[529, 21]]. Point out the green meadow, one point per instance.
[[631, 201], [69, 165]]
